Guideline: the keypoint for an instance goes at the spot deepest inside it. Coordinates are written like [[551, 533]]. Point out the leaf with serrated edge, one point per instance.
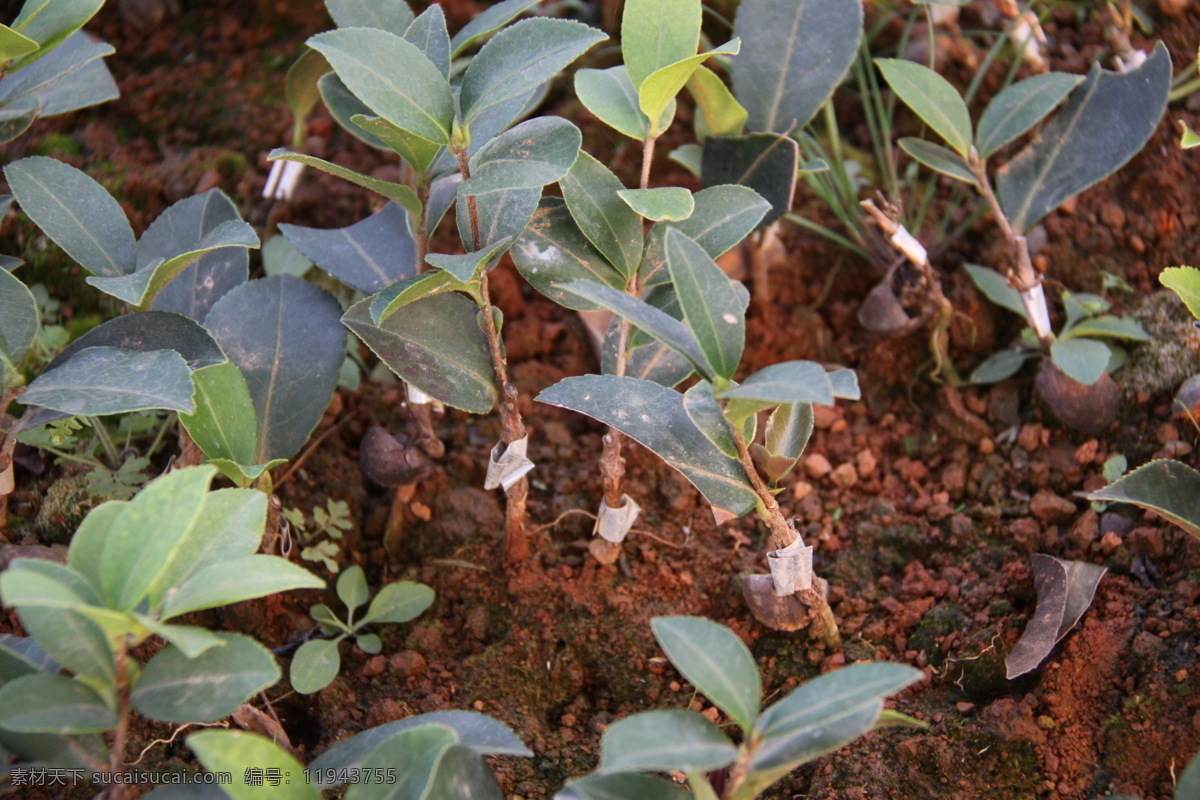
[[660, 88], [409, 290], [428, 32], [18, 321], [722, 217], [53, 704], [714, 311], [488, 21], [611, 96], [665, 740], [716, 662], [389, 15], [932, 98], [236, 752], [1168, 488], [658, 33], [107, 380], [532, 154]]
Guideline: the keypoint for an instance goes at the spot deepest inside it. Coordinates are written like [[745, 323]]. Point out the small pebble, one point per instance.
[[817, 466]]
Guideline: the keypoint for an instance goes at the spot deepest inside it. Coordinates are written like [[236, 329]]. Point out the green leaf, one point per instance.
[[236, 752], [658, 33], [53, 704], [76, 212], [106, 380], [344, 106], [487, 22], [1189, 138], [233, 581], [49, 22], [514, 63], [796, 53], [722, 217], [191, 640], [536, 152], [611, 96], [1021, 106], [399, 601], [720, 113], [224, 425], [420, 153], [352, 587], [280, 257], [687, 156], [654, 416], [788, 430], [414, 755], [1002, 365], [18, 322], [393, 77], [1185, 282], [73, 77], [716, 662], [389, 15], [658, 324], [315, 665], [1105, 123], [712, 307], [995, 287], [786, 382], [369, 643], [14, 45], [826, 712], [1081, 360], [22, 655], [209, 687], [592, 194], [932, 98], [455, 370], [409, 290], [938, 159], [428, 32], [672, 203], [465, 267], [656, 93], [285, 336], [844, 383], [665, 740], [622, 786], [396, 192], [300, 86], [552, 251], [705, 413], [16, 117], [1110, 326], [764, 162], [369, 255], [502, 215]]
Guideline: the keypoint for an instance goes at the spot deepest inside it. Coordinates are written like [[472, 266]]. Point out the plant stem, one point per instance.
[[116, 757], [110, 449], [427, 437], [516, 537]]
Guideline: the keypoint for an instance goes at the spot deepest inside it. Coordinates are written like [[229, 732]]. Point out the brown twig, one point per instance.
[[308, 451]]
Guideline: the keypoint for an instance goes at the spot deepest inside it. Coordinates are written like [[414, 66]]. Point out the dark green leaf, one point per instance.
[[106, 380], [1105, 123], [413, 756], [464, 775], [764, 162], [794, 55], [932, 98], [1021, 106], [53, 704], [388, 15], [536, 152], [723, 216], [369, 255], [18, 322], [716, 662], [591, 192], [622, 786], [1000, 366], [502, 215], [397, 192], [1081, 360], [705, 413], [209, 687], [712, 307], [488, 21], [71, 77], [552, 251], [788, 430], [16, 117], [786, 382], [22, 655], [428, 32], [938, 158], [995, 287], [409, 290], [665, 740], [465, 267], [344, 106]]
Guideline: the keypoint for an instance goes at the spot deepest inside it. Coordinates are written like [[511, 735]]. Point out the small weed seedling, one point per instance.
[[706, 433], [317, 661], [329, 522], [814, 719], [132, 567]]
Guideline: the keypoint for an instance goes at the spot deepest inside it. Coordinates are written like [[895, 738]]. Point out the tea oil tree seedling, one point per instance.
[[317, 661], [816, 718], [438, 330], [132, 568], [707, 432], [1107, 119]]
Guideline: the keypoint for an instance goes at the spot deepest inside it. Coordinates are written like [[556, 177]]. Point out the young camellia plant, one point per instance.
[[816, 718], [438, 330], [435, 755], [707, 432], [1107, 119], [132, 567], [317, 661]]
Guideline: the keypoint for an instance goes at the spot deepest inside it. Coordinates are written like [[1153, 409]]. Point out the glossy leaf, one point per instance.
[[315, 665], [652, 362], [720, 113], [622, 786], [1168, 488], [705, 413], [344, 106], [591, 192], [209, 687], [414, 755], [393, 77], [465, 267], [665, 740], [712, 307], [1021, 106], [932, 98], [236, 752], [396, 192], [658, 91], [795, 55], [428, 32], [502, 215], [995, 287], [611, 96], [532, 154], [1081, 360], [41, 703], [552, 251], [72, 77], [369, 255], [1185, 282], [656, 34], [76, 212], [455, 370], [672, 203], [409, 290], [106, 380], [488, 21], [399, 601], [788, 430], [224, 425], [654, 416], [13, 45], [938, 159], [49, 22], [716, 662], [514, 63], [785, 382], [763, 162], [1105, 122], [1002, 365]]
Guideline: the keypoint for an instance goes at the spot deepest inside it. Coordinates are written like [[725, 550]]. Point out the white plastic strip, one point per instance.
[[791, 568], [614, 524], [416, 397], [906, 243], [1034, 299], [283, 180], [507, 465]]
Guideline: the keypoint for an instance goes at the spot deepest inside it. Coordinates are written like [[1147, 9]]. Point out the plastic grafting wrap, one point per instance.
[[613, 524], [507, 465], [791, 568]]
